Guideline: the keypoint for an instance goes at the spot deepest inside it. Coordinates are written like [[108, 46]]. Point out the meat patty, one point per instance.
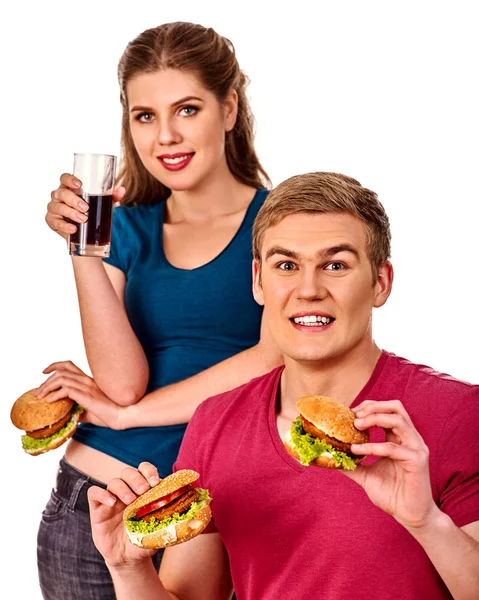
[[178, 505], [317, 433], [51, 429]]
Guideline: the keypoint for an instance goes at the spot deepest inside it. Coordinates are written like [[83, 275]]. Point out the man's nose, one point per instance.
[[310, 285]]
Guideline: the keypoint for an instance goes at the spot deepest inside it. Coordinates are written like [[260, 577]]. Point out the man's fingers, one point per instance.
[[393, 451], [149, 472], [122, 490], [98, 495]]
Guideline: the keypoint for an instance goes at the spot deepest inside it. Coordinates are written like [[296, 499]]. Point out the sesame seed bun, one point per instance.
[[333, 418], [59, 440], [177, 532]]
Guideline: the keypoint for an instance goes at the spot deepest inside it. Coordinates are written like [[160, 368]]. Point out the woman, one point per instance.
[[171, 311]]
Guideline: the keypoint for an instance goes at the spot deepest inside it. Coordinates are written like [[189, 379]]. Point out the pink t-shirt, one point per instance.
[[295, 532]]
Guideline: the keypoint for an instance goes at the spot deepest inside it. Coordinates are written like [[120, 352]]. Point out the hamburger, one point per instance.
[[170, 513], [47, 425], [323, 433]]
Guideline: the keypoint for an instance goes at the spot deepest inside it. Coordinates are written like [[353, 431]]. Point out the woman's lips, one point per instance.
[[175, 162]]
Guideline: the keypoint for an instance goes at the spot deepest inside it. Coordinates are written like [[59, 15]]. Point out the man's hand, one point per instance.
[[399, 481], [69, 381], [106, 515]]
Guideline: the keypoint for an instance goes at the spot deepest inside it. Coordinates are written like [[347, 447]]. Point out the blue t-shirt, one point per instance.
[[186, 320]]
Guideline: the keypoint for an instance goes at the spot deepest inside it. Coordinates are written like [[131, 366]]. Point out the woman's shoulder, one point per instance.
[[138, 212]]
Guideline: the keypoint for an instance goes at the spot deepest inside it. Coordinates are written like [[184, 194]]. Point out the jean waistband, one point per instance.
[[72, 485]]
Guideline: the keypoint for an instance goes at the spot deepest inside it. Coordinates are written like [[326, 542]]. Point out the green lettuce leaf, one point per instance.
[[29, 443], [310, 448], [140, 526]]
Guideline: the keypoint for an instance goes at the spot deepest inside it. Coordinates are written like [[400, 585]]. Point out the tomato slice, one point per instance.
[[163, 501]]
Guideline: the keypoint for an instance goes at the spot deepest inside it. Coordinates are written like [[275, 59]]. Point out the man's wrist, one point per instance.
[[436, 523]]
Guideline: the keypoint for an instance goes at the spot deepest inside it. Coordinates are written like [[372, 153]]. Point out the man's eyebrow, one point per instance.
[[321, 254], [283, 251], [329, 252], [176, 103]]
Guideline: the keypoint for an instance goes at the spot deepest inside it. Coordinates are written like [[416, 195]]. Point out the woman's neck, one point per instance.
[[220, 194]]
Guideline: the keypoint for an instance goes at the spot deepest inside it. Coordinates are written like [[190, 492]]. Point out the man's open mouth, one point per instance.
[[313, 320]]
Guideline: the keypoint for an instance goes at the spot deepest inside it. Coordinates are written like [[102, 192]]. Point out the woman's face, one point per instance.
[[178, 127]]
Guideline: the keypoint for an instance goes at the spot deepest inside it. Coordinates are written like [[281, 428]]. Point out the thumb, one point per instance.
[[118, 194]]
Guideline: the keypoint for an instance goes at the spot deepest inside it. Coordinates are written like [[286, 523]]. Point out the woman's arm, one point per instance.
[[170, 405], [177, 402], [116, 358], [114, 353]]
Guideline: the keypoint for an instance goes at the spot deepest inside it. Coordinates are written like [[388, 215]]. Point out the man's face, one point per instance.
[[316, 284]]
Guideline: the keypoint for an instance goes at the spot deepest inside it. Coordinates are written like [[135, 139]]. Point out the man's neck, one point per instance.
[[340, 378]]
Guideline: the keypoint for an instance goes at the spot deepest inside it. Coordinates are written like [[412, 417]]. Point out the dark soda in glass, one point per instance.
[[97, 230]]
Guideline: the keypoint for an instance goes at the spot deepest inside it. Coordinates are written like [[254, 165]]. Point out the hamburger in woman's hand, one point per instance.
[[323, 433], [170, 513], [47, 425]]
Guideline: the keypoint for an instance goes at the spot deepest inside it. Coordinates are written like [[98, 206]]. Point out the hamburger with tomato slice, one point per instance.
[[47, 425], [172, 512], [323, 433]]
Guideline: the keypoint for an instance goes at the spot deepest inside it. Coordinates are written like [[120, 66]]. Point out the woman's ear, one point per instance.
[[230, 106]]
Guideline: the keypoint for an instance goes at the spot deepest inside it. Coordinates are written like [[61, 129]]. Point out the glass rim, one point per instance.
[[94, 154]]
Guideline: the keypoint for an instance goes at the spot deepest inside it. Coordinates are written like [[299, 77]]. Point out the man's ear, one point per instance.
[[231, 110], [257, 289], [384, 284]]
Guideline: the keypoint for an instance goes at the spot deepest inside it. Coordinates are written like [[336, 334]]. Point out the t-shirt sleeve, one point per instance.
[[120, 246], [458, 461], [187, 460]]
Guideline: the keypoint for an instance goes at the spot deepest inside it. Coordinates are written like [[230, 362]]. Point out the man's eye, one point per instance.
[[286, 266], [335, 266]]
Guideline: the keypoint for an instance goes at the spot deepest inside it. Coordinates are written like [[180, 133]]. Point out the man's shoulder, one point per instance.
[[259, 387], [411, 376]]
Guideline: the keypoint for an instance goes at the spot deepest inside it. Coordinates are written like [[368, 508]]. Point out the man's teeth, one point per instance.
[[312, 320], [174, 161]]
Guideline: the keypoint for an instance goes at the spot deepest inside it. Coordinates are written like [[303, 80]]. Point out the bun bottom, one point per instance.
[[58, 441], [325, 460], [174, 534]]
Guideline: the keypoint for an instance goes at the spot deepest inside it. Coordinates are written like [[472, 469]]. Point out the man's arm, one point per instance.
[[195, 570], [399, 484], [454, 552]]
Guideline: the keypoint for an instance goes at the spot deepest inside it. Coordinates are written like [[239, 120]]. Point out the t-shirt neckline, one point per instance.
[[220, 254], [273, 430]]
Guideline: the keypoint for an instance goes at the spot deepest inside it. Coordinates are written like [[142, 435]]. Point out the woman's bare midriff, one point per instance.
[[92, 462]]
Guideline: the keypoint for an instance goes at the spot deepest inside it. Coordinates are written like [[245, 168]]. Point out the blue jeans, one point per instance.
[[69, 565]]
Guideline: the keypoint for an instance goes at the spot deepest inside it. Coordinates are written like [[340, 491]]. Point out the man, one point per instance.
[[405, 524]]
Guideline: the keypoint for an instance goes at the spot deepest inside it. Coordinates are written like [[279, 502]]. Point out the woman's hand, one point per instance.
[[67, 207], [399, 481], [69, 381], [106, 515]]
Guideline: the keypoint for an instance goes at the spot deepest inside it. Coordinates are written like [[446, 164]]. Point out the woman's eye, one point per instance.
[[286, 266], [187, 111], [335, 266], [144, 117]]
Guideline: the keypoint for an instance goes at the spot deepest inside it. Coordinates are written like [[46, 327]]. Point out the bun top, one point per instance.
[[30, 413], [169, 484], [333, 418]]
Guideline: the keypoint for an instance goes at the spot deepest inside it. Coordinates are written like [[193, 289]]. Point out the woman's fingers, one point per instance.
[[118, 194], [67, 365], [70, 181], [61, 379]]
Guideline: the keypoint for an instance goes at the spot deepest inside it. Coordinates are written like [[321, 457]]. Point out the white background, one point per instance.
[[384, 92]]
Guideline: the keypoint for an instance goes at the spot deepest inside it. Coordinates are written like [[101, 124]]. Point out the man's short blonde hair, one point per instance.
[[320, 193]]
